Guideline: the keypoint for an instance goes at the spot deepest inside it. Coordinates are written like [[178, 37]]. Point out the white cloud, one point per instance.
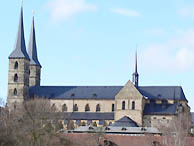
[[64, 9], [126, 12], [176, 55], [187, 11]]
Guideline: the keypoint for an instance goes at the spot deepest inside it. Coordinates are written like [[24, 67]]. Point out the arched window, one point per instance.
[[53, 107], [97, 107], [16, 65], [15, 78], [64, 108], [123, 105], [75, 108], [113, 107], [87, 108], [133, 105], [15, 92]]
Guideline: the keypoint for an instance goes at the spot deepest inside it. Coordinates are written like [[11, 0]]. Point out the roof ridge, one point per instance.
[[162, 86]]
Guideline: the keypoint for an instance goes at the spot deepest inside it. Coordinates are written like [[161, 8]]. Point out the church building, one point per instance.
[[139, 105]]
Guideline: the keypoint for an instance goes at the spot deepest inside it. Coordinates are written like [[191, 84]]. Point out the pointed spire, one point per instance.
[[135, 74], [32, 48], [20, 46], [136, 62]]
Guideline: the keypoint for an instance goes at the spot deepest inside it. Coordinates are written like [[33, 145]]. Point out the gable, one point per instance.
[[129, 91]]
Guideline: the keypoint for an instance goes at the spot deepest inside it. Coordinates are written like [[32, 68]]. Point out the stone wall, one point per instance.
[[157, 120], [129, 94], [35, 73], [18, 89]]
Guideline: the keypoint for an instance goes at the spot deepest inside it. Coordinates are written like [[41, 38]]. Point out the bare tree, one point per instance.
[[32, 123], [176, 132]]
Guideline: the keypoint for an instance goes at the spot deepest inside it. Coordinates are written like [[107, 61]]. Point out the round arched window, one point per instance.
[[98, 108], [64, 108], [87, 107], [123, 105]]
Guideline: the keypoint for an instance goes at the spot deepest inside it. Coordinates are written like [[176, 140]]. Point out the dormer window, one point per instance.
[[159, 96], [94, 95], [72, 95], [123, 129]]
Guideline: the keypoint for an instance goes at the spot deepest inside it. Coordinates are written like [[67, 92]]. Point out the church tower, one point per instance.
[[18, 75], [129, 101], [35, 66], [135, 74]]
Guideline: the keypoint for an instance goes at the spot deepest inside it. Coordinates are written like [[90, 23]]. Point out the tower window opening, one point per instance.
[[87, 108], [123, 105], [15, 78], [16, 65], [15, 92], [98, 108], [133, 105]]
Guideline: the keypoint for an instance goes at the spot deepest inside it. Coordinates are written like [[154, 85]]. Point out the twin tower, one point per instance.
[[24, 67]]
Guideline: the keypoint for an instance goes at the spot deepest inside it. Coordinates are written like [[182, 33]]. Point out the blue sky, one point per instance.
[[93, 42]]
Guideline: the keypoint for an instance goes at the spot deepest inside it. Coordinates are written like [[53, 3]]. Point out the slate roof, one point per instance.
[[20, 46], [192, 116], [116, 130], [76, 92], [125, 122], [88, 116], [160, 109], [104, 92], [162, 92], [32, 48]]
